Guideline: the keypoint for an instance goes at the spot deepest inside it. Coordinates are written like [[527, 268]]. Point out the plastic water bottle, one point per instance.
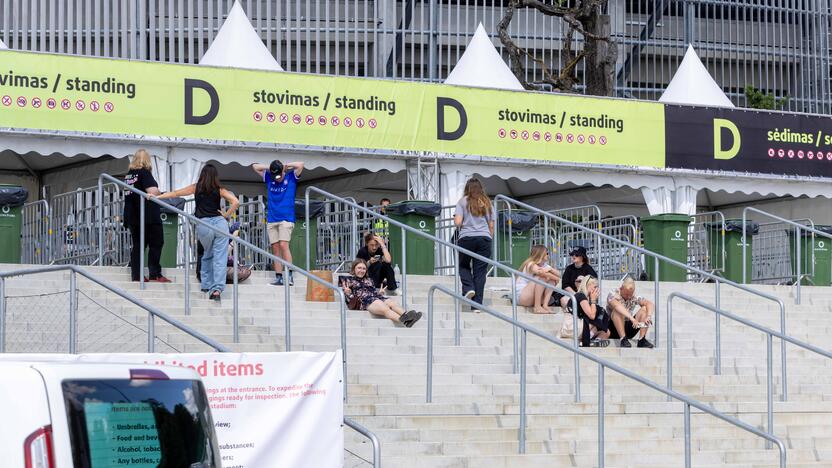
[[396, 270]]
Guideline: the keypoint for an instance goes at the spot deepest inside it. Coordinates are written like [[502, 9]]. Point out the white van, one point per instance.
[[92, 415]]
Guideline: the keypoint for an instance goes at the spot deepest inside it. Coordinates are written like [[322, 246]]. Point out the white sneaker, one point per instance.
[[470, 294]]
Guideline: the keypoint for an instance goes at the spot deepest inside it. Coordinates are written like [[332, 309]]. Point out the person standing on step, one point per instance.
[[140, 177], [380, 226], [474, 220], [207, 193], [631, 314], [378, 259], [281, 185]]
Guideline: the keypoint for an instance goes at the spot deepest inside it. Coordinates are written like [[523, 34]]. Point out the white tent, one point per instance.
[[2, 45], [482, 66], [693, 85], [238, 45]]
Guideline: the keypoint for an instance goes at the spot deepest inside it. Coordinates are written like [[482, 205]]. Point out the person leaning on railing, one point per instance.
[[140, 177], [474, 220], [631, 315], [207, 193], [532, 294], [360, 294], [378, 259]]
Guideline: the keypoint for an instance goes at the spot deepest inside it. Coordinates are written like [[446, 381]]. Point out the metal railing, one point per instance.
[[35, 233], [236, 242], [670, 262], [514, 274], [152, 312], [603, 364], [339, 234], [798, 241], [614, 261], [770, 334], [705, 250]]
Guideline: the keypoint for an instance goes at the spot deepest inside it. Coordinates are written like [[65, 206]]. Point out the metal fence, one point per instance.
[[35, 233], [706, 243], [779, 46], [772, 250]]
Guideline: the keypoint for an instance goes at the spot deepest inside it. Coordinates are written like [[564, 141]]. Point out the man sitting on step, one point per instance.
[[631, 315]]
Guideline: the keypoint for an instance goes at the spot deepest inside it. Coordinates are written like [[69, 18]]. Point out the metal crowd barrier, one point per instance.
[[796, 270], [701, 252], [566, 237], [616, 260], [514, 274], [35, 233], [340, 234], [658, 257], [445, 262], [603, 365], [771, 261]]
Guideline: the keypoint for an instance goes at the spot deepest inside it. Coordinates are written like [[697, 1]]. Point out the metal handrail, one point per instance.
[[236, 241], [656, 257], [798, 241], [152, 312], [368, 434], [602, 365], [514, 273], [769, 335]]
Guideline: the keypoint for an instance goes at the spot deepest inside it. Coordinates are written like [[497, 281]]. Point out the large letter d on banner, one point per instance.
[[190, 118], [441, 132], [730, 153]]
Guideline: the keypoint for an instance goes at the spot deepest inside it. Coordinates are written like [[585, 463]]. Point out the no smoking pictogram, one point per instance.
[[80, 105], [7, 101], [335, 121], [257, 116], [65, 104], [51, 103], [21, 101], [108, 106], [372, 123], [36, 102], [270, 116], [284, 117], [94, 106]]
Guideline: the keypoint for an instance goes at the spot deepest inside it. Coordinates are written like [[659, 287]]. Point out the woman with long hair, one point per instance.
[[207, 193], [596, 321], [140, 176], [535, 295], [474, 220], [359, 285]]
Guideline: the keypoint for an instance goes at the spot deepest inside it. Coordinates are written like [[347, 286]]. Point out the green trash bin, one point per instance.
[[170, 232], [12, 198], [666, 234], [420, 215], [731, 267], [514, 250], [297, 245], [822, 275]]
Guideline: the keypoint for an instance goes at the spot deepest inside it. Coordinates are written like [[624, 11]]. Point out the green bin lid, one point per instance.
[[677, 217]]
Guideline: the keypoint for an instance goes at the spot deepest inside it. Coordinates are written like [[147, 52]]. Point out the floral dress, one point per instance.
[[363, 289]]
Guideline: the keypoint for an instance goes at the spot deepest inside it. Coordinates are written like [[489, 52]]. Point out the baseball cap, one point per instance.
[[276, 169], [578, 252]]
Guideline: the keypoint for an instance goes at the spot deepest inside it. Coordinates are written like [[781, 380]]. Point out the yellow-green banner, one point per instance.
[[55, 92]]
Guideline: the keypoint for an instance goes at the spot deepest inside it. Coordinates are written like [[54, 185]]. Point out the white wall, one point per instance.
[[818, 210]]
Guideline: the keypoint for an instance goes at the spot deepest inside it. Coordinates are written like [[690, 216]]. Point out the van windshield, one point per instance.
[[140, 423]]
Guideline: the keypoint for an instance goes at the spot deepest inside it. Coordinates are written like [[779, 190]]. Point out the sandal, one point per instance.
[[215, 296], [599, 343]]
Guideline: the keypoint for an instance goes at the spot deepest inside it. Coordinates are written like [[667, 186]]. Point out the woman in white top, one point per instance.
[[474, 219], [531, 294]]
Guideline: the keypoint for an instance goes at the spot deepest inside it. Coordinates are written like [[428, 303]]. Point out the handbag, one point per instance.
[[243, 272], [354, 303]]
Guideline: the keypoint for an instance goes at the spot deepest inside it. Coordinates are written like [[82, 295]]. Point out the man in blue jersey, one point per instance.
[[281, 184]]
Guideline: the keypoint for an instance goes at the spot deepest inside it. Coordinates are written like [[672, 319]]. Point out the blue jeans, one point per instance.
[[215, 258]]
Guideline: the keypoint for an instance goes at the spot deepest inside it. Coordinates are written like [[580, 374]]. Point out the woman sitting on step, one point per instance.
[[360, 294], [531, 294], [596, 319]]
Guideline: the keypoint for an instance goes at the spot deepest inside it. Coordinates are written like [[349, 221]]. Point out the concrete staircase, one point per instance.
[[473, 419]]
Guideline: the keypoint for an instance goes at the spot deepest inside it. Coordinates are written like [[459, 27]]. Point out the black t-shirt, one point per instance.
[[571, 273], [140, 179], [207, 204], [364, 253]]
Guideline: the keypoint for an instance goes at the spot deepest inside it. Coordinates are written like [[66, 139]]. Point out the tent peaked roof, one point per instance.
[[482, 66], [238, 45], [2, 45], [692, 84]]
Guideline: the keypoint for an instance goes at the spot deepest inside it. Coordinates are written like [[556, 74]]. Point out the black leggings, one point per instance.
[[154, 239], [380, 271]]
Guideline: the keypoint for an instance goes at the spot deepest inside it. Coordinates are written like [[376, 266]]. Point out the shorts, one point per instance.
[[280, 231], [629, 330]]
